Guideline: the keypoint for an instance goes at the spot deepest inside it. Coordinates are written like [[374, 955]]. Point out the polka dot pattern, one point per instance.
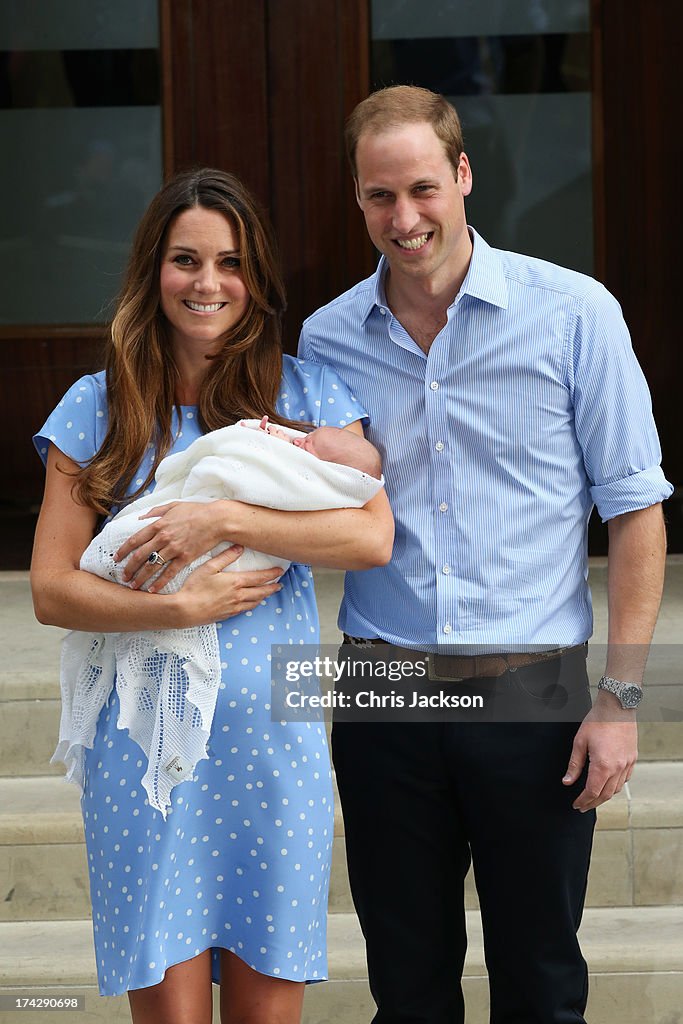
[[242, 861]]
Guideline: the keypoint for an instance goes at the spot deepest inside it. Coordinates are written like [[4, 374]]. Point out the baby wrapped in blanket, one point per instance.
[[167, 680]]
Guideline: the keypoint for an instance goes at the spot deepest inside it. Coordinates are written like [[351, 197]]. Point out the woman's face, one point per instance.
[[203, 294]]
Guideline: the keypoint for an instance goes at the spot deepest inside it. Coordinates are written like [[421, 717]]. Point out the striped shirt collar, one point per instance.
[[485, 278]]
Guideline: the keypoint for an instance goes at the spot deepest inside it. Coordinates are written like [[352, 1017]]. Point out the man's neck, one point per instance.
[[421, 305], [419, 296], [430, 296]]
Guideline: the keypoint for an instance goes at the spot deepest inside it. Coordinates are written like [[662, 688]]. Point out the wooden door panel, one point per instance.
[[642, 200], [318, 64]]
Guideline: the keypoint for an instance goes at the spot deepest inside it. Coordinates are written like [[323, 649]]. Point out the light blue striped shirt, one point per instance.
[[529, 408]]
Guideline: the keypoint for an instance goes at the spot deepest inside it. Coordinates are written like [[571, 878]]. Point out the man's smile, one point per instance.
[[413, 244]]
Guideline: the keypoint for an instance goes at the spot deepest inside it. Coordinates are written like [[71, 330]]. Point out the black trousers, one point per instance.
[[421, 800]]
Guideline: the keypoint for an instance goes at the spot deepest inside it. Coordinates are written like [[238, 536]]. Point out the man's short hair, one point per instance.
[[398, 105]]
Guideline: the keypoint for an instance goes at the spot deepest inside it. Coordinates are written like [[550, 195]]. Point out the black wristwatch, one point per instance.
[[629, 695]]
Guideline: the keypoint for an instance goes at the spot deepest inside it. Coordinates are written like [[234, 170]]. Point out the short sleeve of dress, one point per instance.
[[79, 422], [314, 393]]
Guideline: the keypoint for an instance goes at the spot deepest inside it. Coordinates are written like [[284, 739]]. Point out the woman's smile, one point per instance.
[[198, 307]]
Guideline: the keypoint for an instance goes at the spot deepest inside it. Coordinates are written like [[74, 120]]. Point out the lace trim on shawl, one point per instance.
[[167, 683]]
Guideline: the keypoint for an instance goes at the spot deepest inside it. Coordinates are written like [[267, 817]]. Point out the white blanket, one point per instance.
[[167, 680]]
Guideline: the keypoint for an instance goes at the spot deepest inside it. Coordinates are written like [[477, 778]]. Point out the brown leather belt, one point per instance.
[[454, 668]]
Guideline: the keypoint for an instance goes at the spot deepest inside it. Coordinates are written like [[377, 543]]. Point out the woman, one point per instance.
[[233, 884]]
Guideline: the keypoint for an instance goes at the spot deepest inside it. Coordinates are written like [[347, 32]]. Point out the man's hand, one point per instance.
[[608, 737]]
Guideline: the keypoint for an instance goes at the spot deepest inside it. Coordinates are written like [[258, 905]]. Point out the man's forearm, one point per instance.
[[637, 555], [334, 538]]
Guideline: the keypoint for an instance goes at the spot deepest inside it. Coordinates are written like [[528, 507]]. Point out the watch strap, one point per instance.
[[629, 695]]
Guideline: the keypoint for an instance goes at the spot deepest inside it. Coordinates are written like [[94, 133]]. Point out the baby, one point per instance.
[[334, 469], [333, 444]]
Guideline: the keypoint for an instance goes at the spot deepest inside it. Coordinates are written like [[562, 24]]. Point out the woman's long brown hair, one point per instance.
[[243, 379]]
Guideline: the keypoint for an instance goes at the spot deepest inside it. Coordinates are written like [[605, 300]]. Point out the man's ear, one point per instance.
[[358, 199], [464, 174]]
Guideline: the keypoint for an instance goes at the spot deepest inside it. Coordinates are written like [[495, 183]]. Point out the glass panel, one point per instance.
[[518, 72], [409, 19], [79, 25], [80, 116]]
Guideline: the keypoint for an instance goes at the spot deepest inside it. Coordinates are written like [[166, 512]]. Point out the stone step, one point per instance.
[[637, 858], [29, 683], [28, 736], [634, 954], [660, 741]]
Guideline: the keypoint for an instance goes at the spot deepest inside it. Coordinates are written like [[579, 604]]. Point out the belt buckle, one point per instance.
[[435, 675]]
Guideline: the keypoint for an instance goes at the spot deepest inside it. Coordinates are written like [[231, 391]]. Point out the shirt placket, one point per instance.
[[436, 417]]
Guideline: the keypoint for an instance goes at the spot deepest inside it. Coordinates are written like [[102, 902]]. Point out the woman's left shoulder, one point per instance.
[[316, 393]]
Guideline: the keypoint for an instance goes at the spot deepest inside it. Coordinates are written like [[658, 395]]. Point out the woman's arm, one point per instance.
[[64, 595], [347, 538]]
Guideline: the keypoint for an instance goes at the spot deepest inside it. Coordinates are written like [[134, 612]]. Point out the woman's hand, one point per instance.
[[181, 532], [209, 594]]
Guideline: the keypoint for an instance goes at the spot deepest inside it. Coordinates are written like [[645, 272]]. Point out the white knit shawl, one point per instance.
[[167, 680]]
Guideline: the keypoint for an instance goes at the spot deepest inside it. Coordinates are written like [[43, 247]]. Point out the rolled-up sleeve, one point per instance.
[[640, 490], [612, 410]]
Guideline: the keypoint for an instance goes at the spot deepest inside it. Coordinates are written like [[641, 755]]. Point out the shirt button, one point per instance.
[[447, 628], [443, 507], [382, 310], [446, 569], [439, 446], [434, 385]]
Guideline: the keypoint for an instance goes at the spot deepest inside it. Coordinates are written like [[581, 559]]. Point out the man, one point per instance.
[[505, 399]]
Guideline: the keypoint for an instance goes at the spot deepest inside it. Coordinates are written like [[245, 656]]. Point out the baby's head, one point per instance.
[[332, 444]]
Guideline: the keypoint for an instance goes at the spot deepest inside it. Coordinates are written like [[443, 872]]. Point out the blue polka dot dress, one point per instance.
[[242, 861]]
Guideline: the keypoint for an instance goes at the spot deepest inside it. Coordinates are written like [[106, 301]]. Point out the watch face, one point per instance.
[[630, 696]]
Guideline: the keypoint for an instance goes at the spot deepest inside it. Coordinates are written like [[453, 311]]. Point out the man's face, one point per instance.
[[413, 205]]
